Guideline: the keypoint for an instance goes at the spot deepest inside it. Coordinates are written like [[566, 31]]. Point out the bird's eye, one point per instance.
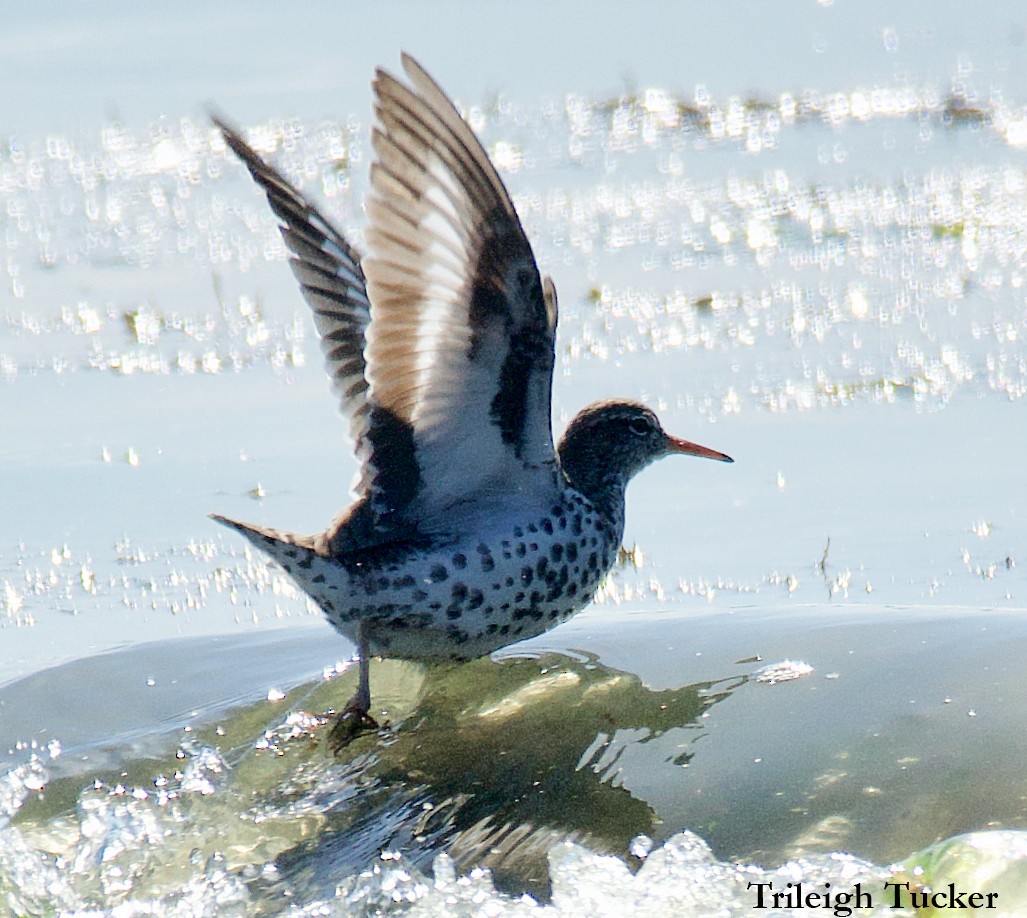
[[639, 426]]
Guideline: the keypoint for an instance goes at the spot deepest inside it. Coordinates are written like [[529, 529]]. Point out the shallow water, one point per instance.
[[813, 260]]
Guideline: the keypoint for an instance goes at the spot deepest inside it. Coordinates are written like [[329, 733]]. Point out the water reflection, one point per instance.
[[495, 762]]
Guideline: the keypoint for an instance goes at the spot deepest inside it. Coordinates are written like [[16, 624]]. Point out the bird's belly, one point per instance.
[[464, 599]]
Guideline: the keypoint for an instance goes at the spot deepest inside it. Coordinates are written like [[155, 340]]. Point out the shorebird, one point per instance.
[[468, 531]]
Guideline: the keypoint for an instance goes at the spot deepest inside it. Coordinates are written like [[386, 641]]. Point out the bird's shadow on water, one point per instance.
[[495, 762]]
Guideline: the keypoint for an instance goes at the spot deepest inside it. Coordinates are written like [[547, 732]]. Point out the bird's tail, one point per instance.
[[285, 547]]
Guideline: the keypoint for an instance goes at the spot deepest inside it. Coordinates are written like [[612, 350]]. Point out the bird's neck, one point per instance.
[[592, 476]]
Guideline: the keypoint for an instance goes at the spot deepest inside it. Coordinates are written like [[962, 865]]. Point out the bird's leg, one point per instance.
[[355, 718], [360, 703]]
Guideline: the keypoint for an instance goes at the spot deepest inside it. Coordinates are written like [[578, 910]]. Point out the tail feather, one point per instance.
[[275, 542]]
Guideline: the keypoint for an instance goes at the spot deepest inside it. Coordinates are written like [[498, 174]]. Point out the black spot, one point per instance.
[[532, 527], [572, 552], [522, 549], [533, 547], [400, 582], [435, 606], [383, 583], [527, 575], [572, 589], [555, 613], [419, 596], [563, 523], [593, 561], [556, 553], [504, 630], [542, 567], [518, 532], [328, 604], [454, 612], [519, 597], [318, 578], [576, 524], [547, 525], [492, 628], [459, 561], [438, 573], [509, 581], [306, 562], [487, 564], [476, 599]]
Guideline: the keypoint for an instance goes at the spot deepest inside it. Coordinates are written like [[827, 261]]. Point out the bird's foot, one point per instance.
[[353, 721]]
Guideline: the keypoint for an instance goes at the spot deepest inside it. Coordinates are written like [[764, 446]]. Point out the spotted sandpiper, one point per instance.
[[467, 530]]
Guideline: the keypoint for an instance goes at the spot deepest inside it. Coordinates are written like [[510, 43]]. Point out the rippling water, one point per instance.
[[806, 667], [851, 283]]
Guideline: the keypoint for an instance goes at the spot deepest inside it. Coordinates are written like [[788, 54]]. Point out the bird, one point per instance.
[[468, 530]]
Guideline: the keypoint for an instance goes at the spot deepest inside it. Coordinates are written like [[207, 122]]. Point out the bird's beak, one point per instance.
[[675, 445]]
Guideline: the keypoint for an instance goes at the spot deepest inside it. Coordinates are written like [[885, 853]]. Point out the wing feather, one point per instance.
[[440, 343], [332, 280], [461, 343]]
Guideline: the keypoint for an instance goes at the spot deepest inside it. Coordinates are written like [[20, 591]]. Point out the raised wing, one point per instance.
[[328, 270], [443, 360], [461, 343]]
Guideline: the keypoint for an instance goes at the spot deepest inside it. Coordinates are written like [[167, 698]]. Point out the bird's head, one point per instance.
[[609, 442]]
